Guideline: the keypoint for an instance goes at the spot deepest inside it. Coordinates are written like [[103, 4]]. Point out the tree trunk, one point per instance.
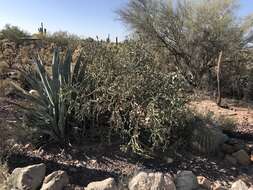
[[218, 80]]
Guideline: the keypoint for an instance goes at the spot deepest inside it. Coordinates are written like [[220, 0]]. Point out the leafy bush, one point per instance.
[[132, 98]]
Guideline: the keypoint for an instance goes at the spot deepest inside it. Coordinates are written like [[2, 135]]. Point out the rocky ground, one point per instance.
[[82, 167]]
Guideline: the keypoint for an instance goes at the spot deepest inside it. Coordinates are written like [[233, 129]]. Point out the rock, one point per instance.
[[242, 157], [107, 184], [186, 180], [152, 181], [29, 177], [34, 93], [169, 160], [204, 182], [55, 181], [239, 185], [226, 148], [251, 188], [230, 159], [251, 156], [217, 186]]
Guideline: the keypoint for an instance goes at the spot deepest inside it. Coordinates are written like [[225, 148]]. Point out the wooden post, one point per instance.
[[218, 79]]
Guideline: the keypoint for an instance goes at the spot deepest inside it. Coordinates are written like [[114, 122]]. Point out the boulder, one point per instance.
[[55, 181], [204, 182], [29, 177], [230, 160], [152, 181], [186, 180], [239, 185], [107, 184], [242, 157]]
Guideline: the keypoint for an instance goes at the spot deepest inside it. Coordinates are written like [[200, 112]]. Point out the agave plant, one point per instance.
[[48, 112]]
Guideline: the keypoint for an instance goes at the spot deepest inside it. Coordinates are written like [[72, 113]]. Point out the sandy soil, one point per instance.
[[240, 113]]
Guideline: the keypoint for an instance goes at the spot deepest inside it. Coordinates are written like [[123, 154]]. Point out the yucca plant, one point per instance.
[[47, 112]]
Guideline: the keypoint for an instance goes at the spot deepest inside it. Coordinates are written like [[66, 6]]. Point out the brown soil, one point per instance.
[[240, 113]]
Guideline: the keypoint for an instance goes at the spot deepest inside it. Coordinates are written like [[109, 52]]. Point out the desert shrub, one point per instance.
[[63, 39], [128, 96], [12, 33]]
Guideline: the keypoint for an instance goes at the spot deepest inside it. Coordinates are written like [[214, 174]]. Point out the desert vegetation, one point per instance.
[[177, 95]]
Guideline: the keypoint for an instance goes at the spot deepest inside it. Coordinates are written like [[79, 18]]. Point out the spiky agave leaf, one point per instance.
[[49, 111]]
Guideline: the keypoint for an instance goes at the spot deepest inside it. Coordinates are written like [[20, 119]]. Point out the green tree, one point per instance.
[[192, 32]]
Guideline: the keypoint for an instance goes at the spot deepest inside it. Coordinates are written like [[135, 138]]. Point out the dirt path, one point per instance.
[[239, 113]]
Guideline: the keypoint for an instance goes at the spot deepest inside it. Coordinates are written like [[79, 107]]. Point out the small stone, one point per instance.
[[251, 156], [34, 93], [152, 181], [217, 186], [16, 146], [204, 182], [186, 180], [107, 184], [230, 159], [242, 157], [239, 185], [249, 147], [169, 160], [93, 161], [27, 146]]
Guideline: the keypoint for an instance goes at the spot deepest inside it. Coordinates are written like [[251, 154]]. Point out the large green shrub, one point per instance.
[[132, 98]]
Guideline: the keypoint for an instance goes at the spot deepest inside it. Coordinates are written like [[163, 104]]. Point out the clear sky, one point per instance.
[[82, 17]]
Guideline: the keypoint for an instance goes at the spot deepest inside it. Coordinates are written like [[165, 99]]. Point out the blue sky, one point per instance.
[[82, 17]]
